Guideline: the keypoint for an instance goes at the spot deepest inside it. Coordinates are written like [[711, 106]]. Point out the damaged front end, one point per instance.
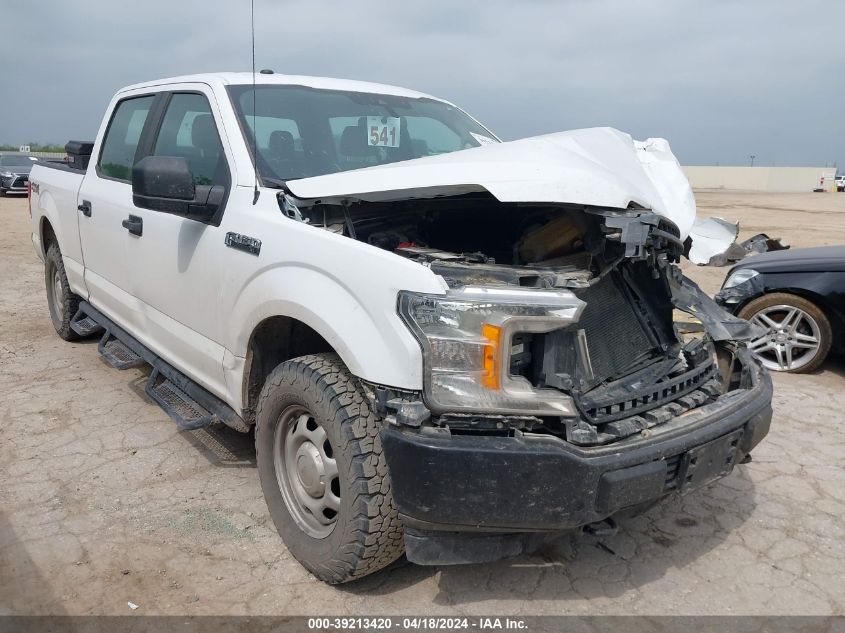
[[558, 389], [558, 319]]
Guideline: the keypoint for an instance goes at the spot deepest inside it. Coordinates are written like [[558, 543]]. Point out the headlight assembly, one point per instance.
[[466, 337], [738, 277]]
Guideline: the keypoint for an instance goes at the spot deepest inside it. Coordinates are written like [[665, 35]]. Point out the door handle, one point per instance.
[[85, 207], [134, 225]]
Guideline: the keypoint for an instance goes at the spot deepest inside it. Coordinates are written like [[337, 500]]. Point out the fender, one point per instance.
[[369, 337], [343, 289], [55, 204]]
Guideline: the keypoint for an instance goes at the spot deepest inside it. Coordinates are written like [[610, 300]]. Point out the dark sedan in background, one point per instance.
[[798, 298], [14, 172]]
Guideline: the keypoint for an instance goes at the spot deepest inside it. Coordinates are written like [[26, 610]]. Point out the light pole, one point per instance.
[[753, 156]]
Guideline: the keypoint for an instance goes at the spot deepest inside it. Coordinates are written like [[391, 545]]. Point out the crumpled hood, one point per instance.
[[595, 166]]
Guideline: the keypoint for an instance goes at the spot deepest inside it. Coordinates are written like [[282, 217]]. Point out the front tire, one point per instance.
[[323, 471], [798, 334], [62, 303]]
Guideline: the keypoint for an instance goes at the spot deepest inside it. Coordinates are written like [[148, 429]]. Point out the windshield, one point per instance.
[[15, 160], [302, 132]]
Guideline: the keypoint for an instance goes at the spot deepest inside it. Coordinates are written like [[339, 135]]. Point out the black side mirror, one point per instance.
[[166, 184]]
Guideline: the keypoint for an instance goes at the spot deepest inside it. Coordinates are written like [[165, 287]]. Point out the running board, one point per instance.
[[185, 411], [84, 325], [117, 354], [187, 403]]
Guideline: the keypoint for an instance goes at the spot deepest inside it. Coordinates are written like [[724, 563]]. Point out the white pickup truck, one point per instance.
[[446, 344]]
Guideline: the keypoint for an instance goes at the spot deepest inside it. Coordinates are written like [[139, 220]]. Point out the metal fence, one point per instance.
[[36, 154]]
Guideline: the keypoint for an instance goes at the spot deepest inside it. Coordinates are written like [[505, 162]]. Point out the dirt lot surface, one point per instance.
[[103, 502]]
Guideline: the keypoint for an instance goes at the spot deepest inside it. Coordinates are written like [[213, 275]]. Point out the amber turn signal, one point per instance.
[[490, 375]]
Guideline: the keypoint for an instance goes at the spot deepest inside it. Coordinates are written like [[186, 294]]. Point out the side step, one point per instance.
[[117, 354], [190, 405], [185, 411], [84, 325]]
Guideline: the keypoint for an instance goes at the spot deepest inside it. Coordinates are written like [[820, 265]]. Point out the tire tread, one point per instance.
[[70, 301], [376, 537]]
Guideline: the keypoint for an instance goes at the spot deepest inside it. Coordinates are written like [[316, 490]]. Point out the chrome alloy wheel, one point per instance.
[[306, 471], [792, 338]]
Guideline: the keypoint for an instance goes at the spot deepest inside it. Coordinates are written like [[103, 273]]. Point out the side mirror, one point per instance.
[[166, 184]]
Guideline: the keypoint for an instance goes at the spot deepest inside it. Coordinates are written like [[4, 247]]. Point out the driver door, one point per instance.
[[174, 264]]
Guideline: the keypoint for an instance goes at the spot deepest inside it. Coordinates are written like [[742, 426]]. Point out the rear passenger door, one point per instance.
[[105, 200], [174, 265]]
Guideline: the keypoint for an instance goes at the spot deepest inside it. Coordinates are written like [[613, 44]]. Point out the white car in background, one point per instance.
[[840, 182]]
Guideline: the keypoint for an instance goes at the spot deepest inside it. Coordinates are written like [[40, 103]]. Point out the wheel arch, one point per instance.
[[47, 234], [49, 220], [274, 340]]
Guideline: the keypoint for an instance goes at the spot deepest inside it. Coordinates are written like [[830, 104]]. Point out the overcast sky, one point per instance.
[[721, 79]]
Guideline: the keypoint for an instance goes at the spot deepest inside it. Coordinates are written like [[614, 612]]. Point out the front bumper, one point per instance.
[[14, 184], [447, 484]]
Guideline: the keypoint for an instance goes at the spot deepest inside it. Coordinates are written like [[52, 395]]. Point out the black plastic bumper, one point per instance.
[[462, 483]]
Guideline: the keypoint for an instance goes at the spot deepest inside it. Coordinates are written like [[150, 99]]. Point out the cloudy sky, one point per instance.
[[721, 79]]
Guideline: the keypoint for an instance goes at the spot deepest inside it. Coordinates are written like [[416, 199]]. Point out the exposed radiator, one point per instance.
[[615, 334]]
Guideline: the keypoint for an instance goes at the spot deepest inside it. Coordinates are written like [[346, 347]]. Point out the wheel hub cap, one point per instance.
[[310, 469]]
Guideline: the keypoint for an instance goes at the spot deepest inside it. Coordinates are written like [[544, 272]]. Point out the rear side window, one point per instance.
[[188, 130], [121, 141]]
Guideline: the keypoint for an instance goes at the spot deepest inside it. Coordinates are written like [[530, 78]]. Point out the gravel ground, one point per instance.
[[103, 502]]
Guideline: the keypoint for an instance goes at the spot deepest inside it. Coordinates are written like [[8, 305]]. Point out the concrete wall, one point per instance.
[[38, 154], [758, 178]]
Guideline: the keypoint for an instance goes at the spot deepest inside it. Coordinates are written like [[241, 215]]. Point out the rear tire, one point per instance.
[[323, 471], [62, 303], [798, 336]]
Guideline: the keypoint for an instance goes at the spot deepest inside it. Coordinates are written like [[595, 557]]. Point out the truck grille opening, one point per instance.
[[607, 409]]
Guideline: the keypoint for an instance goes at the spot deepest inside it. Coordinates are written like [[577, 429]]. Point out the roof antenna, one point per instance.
[[254, 132]]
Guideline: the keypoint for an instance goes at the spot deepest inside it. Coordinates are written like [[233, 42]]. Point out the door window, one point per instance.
[[121, 141], [188, 130]]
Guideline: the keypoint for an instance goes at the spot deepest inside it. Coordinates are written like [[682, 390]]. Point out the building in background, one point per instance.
[[761, 178]]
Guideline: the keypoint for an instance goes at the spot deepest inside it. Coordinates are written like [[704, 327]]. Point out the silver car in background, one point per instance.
[[14, 172]]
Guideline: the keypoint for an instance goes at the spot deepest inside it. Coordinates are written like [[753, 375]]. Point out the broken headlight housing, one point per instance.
[[466, 338]]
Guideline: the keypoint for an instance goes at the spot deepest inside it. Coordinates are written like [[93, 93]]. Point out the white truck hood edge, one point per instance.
[[594, 166]]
